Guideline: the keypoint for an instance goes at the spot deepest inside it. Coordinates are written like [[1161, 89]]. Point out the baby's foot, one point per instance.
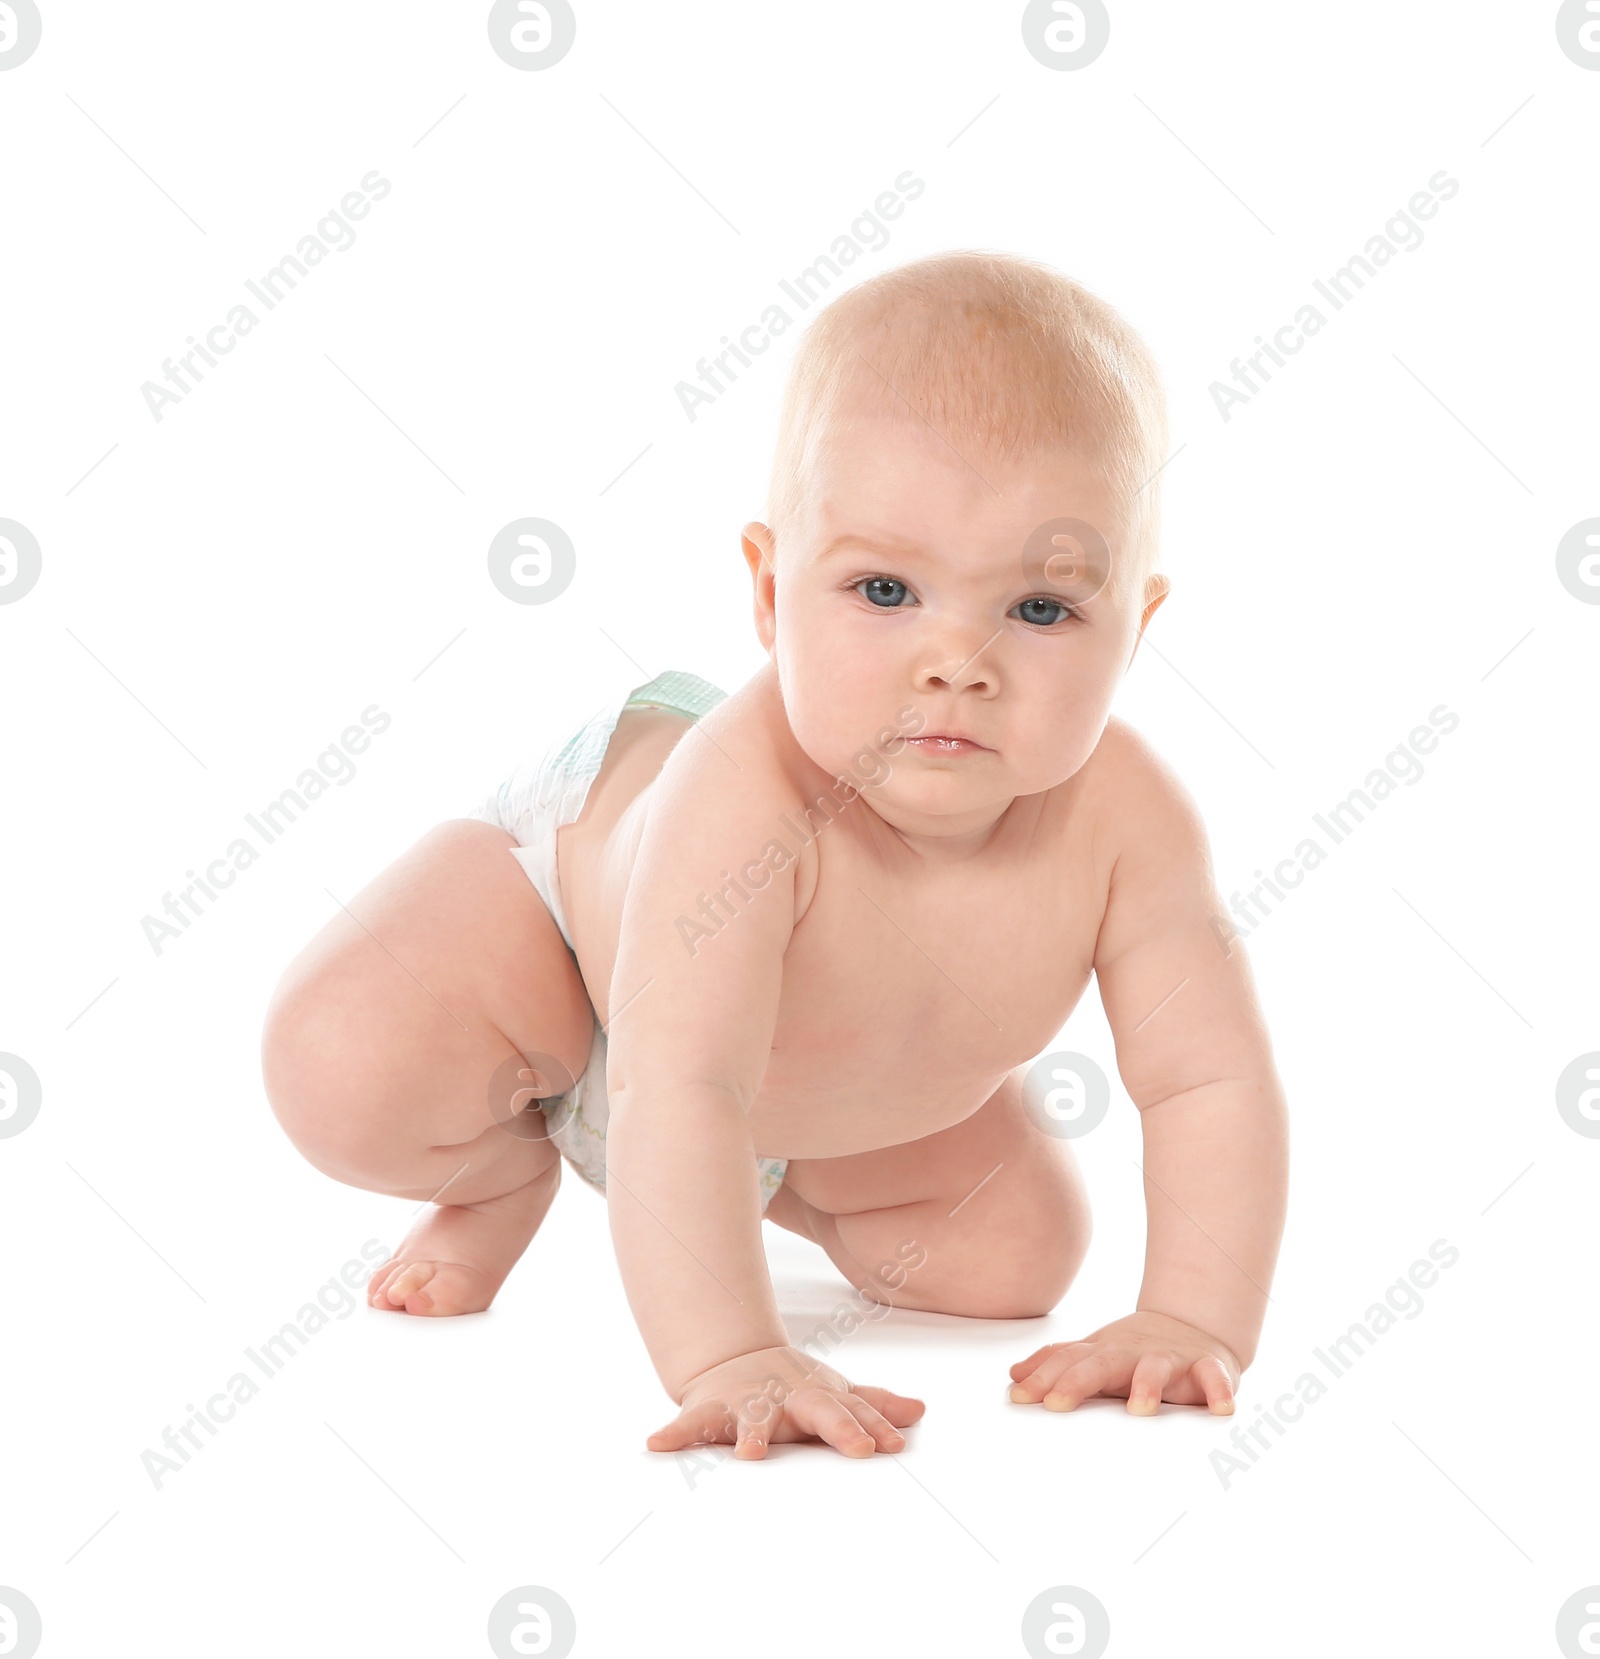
[[457, 1256]]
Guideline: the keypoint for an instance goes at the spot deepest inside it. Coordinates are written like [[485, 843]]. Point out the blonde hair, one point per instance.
[[996, 352]]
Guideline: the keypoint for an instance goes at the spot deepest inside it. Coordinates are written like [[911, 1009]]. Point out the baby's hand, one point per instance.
[[1145, 1359], [774, 1394]]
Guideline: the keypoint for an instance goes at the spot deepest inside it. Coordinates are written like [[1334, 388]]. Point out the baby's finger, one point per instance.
[[707, 1421], [1150, 1376], [901, 1409], [1037, 1383], [1211, 1377], [1024, 1366], [827, 1417], [1064, 1351], [887, 1436], [1089, 1376], [754, 1432]]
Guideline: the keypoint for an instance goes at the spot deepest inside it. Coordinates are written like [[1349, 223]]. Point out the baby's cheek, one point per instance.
[[870, 768]]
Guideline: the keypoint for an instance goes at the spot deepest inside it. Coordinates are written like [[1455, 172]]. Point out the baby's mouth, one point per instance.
[[936, 744]]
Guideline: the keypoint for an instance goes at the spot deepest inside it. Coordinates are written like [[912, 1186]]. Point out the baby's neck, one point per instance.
[[945, 840]]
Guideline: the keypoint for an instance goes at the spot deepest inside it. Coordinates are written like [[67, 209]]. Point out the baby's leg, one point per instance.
[[391, 1050], [988, 1218]]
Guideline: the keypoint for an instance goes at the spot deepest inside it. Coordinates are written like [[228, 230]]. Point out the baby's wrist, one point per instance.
[[1237, 1345], [783, 1365]]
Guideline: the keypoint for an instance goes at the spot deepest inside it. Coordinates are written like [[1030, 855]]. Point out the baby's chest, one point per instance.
[[966, 971]]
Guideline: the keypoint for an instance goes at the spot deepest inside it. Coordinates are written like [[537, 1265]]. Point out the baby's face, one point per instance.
[[919, 581]]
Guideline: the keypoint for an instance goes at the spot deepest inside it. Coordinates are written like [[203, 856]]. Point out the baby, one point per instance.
[[791, 952]]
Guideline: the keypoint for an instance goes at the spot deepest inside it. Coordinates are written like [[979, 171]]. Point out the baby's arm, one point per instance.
[[694, 1003], [1195, 1056]]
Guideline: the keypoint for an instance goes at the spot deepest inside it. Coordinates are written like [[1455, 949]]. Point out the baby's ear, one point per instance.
[[1156, 588], [757, 543]]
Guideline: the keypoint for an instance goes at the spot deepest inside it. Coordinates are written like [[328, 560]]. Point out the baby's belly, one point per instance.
[[872, 1108], [886, 1033], [831, 1091]]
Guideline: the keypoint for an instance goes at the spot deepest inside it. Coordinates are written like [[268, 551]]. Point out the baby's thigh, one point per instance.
[[387, 1034], [992, 1210]]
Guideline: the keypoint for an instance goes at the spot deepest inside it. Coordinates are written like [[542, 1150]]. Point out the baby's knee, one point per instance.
[[317, 1083], [1021, 1271], [988, 1280], [1023, 1288]]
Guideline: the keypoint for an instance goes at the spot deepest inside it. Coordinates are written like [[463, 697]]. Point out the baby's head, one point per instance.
[[940, 423]]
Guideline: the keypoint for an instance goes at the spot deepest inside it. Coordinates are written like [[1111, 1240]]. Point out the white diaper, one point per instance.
[[531, 805]]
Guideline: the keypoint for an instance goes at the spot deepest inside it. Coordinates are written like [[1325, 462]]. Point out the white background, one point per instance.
[[223, 591]]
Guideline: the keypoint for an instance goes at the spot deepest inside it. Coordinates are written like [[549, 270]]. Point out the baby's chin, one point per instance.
[[963, 785], [939, 792]]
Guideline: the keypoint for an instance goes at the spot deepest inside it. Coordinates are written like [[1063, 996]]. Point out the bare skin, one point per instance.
[[868, 1011], [381, 1040]]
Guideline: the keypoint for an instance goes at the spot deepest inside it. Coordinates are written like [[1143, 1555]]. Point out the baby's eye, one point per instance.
[[1031, 609], [888, 591]]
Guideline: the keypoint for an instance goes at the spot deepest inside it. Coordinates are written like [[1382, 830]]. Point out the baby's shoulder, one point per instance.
[[738, 797], [742, 752], [1134, 795], [737, 773]]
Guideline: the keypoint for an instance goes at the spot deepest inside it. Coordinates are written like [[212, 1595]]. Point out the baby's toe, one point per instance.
[[408, 1289], [435, 1288], [451, 1288], [384, 1273], [393, 1281]]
